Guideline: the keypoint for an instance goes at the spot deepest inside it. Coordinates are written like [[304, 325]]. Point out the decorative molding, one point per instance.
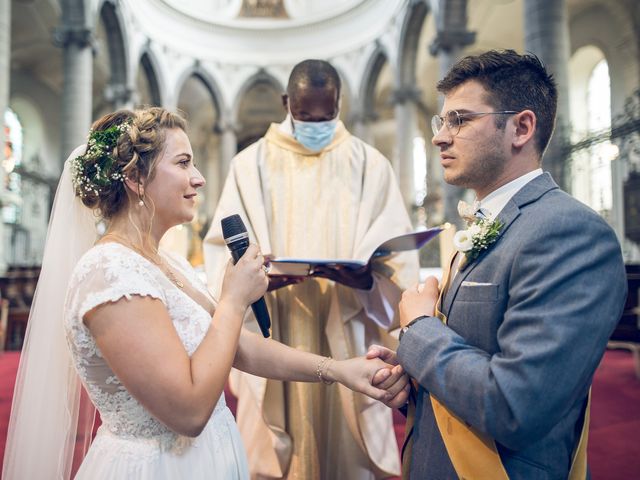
[[451, 39], [259, 41], [66, 35], [118, 93], [404, 94], [262, 9]]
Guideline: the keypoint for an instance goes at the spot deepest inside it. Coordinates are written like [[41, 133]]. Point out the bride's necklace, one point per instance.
[[160, 262]]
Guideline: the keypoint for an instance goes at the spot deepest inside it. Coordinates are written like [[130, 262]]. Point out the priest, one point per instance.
[[310, 189]]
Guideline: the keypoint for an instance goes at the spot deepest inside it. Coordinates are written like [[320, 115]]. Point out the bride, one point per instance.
[[152, 349]]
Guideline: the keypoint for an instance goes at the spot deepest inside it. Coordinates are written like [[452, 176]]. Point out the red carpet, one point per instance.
[[614, 440]]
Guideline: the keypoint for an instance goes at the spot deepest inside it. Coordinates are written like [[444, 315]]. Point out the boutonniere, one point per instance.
[[479, 236]]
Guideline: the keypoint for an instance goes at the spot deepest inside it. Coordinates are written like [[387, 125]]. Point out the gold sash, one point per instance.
[[472, 453]]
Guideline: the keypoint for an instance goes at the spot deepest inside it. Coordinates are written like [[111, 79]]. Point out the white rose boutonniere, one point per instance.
[[476, 238]]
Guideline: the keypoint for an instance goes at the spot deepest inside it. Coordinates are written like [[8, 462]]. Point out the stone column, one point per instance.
[[405, 100], [361, 129], [5, 74], [76, 43], [119, 95], [228, 148], [448, 46], [547, 35], [5, 63]]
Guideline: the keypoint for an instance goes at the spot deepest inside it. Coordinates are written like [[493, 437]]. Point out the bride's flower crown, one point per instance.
[[97, 167]]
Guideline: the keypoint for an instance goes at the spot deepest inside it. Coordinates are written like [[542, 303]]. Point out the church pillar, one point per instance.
[[405, 99], [546, 31], [228, 149], [361, 126], [5, 74], [448, 46], [119, 95], [77, 58]]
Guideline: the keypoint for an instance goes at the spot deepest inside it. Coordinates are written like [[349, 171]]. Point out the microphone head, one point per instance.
[[233, 228]]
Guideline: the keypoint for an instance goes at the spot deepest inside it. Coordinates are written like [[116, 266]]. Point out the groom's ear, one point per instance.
[[524, 128]]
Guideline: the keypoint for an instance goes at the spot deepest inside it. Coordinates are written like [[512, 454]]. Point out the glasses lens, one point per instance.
[[453, 122], [436, 124]]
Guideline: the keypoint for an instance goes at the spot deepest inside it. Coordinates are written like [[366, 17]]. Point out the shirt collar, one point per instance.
[[496, 200]]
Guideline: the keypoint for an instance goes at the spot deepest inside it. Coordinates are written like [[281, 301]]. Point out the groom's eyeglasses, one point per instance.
[[454, 120]]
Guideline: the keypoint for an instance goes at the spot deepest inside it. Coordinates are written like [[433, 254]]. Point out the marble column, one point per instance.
[[5, 60], [448, 46], [119, 95], [228, 148], [5, 74], [546, 30], [361, 126], [76, 43], [405, 101]]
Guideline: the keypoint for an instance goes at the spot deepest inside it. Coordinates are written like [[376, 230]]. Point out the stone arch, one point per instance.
[[261, 76], [409, 37], [210, 84], [603, 27], [371, 73], [118, 90], [148, 66], [199, 98]]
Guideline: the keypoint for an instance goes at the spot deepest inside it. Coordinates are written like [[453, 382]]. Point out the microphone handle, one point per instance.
[[259, 307], [261, 313]]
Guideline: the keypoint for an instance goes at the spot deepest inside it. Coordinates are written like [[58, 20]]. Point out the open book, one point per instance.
[[306, 267]]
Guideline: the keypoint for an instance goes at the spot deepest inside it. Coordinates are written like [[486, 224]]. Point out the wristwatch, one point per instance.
[[404, 329]]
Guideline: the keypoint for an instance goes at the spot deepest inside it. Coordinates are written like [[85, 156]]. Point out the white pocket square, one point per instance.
[[475, 284]]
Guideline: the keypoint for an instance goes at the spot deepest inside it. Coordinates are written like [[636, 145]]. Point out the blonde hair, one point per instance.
[[135, 154]]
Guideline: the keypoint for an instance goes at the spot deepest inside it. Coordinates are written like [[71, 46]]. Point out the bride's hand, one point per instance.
[[246, 281], [358, 374]]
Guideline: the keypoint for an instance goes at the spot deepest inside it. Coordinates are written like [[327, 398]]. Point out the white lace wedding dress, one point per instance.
[[130, 443]]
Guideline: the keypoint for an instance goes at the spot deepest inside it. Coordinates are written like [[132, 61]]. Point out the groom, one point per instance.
[[503, 360]]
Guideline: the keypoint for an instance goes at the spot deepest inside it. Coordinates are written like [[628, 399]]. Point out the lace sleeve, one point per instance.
[[107, 273]]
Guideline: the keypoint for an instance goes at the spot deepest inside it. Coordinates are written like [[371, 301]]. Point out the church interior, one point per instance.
[[225, 65]]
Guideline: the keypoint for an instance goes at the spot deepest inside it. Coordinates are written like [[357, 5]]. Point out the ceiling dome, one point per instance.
[[264, 31]]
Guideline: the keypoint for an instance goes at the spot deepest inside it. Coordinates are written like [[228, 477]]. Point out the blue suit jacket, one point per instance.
[[528, 322]]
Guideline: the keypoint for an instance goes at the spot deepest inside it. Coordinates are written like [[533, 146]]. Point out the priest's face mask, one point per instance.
[[314, 114]]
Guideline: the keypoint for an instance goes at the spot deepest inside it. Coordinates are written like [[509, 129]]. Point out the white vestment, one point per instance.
[[341, 202]]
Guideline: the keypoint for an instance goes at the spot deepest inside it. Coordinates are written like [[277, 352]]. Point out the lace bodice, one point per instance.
[[107, 273]]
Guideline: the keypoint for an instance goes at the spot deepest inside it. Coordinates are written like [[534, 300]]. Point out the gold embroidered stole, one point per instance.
[[474, 454]]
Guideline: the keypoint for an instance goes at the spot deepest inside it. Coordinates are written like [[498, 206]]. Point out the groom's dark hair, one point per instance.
[[513, 82]]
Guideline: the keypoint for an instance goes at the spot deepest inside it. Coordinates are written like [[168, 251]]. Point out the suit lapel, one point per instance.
[[530, 193]]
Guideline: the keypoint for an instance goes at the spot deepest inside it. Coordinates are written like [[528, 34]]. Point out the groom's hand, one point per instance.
[[419, 300], [393, 380]]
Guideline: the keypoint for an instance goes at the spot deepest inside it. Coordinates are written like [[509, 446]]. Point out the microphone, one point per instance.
[[237, 239]]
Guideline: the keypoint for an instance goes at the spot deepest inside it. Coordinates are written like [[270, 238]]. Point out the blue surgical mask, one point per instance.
[[314, 135]]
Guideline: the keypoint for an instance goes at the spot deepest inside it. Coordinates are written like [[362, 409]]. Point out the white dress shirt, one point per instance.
[[492, 204]]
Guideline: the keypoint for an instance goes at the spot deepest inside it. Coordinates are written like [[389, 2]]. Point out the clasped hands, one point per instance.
[[416, 301]]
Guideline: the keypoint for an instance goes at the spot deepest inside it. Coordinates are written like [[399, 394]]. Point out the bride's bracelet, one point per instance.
[[320, 370]]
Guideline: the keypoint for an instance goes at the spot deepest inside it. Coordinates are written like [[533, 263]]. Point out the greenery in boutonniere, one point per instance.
[[477, 237]]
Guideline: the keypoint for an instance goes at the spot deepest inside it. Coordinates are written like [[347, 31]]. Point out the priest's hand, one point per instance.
[[279, 281], [360, 278]]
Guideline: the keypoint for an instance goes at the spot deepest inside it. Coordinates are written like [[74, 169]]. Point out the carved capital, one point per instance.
[[225, 126], [67, 35], [450, 39], [118, 93], [405, 94], [368, 116]]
